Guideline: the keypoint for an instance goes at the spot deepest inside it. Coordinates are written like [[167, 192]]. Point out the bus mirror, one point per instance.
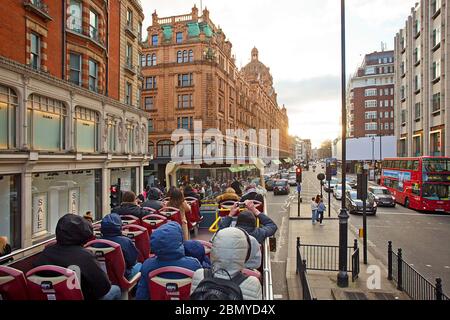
[[273, 244]]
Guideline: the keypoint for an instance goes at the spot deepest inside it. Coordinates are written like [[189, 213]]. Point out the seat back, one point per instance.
[[13, 285], [208, 246], [153, 221], [227, 204], [129, 219], [110, 256], [172, 214], [163, 288], [97, 228], [53, 283], [140, 238], [150, 210], [195, 210]]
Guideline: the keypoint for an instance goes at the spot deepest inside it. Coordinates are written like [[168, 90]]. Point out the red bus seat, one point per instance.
[[172, 214], [54, 283], [162, 288], [13, 285], [153, 221], [110, 256], [139, 235], [129, 219]]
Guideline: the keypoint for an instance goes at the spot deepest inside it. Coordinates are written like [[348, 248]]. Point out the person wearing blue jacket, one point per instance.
[[111, 228], [167, 245], [195, 249], [320, 210]]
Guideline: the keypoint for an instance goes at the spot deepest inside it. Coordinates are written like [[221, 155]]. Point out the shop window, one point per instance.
[[8, 110], [86, 126], [127, 178], [10, 216]]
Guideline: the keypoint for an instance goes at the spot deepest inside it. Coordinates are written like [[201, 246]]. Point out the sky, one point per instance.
[[299, 40]]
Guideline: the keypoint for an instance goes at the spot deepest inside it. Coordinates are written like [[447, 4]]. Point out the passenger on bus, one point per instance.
[[72, 232], [195, 249], [251, 193], [129, 206], [5, 248], [89, 217], [167, 245], [237, 186], [229, 194], [111, 228], [177, 201], [230, 250], [153, 196], [188, 191]]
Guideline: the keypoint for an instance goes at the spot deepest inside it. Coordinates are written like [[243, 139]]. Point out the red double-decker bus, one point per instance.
[[420, 183]]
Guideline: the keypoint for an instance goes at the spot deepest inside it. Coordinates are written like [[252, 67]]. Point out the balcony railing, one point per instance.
[[38, 7]]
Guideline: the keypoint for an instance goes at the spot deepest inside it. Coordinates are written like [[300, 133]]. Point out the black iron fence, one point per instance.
[[301, 271], [410, 280], [355, 262]]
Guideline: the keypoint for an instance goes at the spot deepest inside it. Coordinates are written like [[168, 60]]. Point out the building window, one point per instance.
[[436, 102], [129, 55], [381, 115], [386, 103], [402, 148], [370, 126], [131, 129], [185, 101], [75, 68], [435, 143], [370, 103], [179, 37], [402, 92], [392, 126], [130, 18], [179, 56], [150, 82], [191, 56], [185, 80], [370, 71], [155, 40], [416, 27], [435, 6], [402, 68], [370, 92], [75, 21], [143, 60], [436, 36], [417, 146], [403, 116], [112, 133], [151, 148], [149, 103], [93, 75], [386, 114], [386, 126], [93, 25], [417, 55], [185, 123], [370, 115], [436, 70], [35, 58], [417, 112], [150, 127], [87, 128], [128, 93], [8, 115], [417, 83], [46, 123], [140, 32], [185, 56], [151, 60], [10, 215], [164, 149]]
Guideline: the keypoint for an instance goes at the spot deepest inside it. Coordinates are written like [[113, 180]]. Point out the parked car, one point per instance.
[[292, 180], [355, 205], [281, 186], [269, 184], [352, 182], [337, 191], [383, 196], [334, 181]]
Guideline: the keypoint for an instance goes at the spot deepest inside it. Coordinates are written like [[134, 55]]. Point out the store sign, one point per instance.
[[74, 201], [40, 214], [400, 175]]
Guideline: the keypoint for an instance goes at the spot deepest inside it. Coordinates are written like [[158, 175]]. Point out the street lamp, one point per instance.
[[342, 277]]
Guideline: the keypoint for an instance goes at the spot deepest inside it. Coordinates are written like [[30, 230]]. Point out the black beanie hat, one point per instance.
[[246, 218]]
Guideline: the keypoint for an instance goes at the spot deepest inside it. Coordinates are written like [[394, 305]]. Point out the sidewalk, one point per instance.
[[324, 283]]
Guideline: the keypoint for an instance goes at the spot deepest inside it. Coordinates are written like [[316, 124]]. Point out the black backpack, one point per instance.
[[211, 288]]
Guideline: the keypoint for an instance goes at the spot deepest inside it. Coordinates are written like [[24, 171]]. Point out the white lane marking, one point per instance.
[[281, 237], [278, 296], [429, 266], [446, 267]]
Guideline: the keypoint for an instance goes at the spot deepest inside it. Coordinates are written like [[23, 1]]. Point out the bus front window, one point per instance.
[[436, 191]]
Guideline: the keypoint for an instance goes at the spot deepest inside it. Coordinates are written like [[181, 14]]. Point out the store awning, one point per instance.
[[240, 169], [276, 161]]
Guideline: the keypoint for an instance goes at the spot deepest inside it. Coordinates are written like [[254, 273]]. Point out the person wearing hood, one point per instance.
[[167, 245], [72, 232], [195, 249], [111, 228], [153, 196], [251, 193], [229, 194], [230, 250], [129, 206]]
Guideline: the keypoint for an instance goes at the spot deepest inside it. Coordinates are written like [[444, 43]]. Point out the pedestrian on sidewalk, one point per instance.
[[320, 209], [314, 207]]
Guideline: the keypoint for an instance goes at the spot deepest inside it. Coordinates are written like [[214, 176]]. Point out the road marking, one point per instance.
[[429, 266], [446, 267], [281, 237], [278, 296]]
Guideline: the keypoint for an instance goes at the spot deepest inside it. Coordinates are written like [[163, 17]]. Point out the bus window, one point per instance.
[[416, 189], [403, 164], [388, 183], [436, 191], [415, 165], [409, 164], [396, 164]]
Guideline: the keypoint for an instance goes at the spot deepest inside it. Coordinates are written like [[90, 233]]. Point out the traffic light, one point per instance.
[[298, 174], [115, 196]]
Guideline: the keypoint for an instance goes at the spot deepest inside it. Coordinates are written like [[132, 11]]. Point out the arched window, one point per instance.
[[164, 149], [185, 56], [143, 60], [179, 57], [154, 59], [191, 56], [149, 60], [46, 123], [87, 129], [8, 110]]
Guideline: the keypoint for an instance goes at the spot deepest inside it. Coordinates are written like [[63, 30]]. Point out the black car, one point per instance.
[[281, 186], [383, 196], [355, 205], [269, 184]]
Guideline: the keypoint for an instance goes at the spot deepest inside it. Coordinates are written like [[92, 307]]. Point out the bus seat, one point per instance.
[[129, 219], [110, 256], [162, 288], [150, 210], [172, 214], [139, 235], [195, 209], [153, 221], [53, 283], [13, 285]]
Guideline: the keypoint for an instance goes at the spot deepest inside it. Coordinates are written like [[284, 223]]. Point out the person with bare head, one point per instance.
[[129, 206], [177, 201]]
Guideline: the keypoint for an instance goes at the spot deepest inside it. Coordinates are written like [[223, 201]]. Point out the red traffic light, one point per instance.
[[299, 170], [114, 189]]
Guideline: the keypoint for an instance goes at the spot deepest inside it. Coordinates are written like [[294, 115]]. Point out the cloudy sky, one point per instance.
[[300, 41]]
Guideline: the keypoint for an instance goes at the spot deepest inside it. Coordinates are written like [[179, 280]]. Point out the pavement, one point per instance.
[[372, 283]]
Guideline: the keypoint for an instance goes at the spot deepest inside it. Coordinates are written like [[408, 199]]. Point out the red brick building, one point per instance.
[[370, 105]]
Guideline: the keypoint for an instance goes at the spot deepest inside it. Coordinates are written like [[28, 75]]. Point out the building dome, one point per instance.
[[255, 70]]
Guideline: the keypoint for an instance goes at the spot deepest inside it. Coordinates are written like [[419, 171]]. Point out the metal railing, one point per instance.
[[301, 271], [410, 280]]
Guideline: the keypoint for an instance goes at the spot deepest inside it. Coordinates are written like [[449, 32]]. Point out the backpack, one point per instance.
[[211, 288]]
